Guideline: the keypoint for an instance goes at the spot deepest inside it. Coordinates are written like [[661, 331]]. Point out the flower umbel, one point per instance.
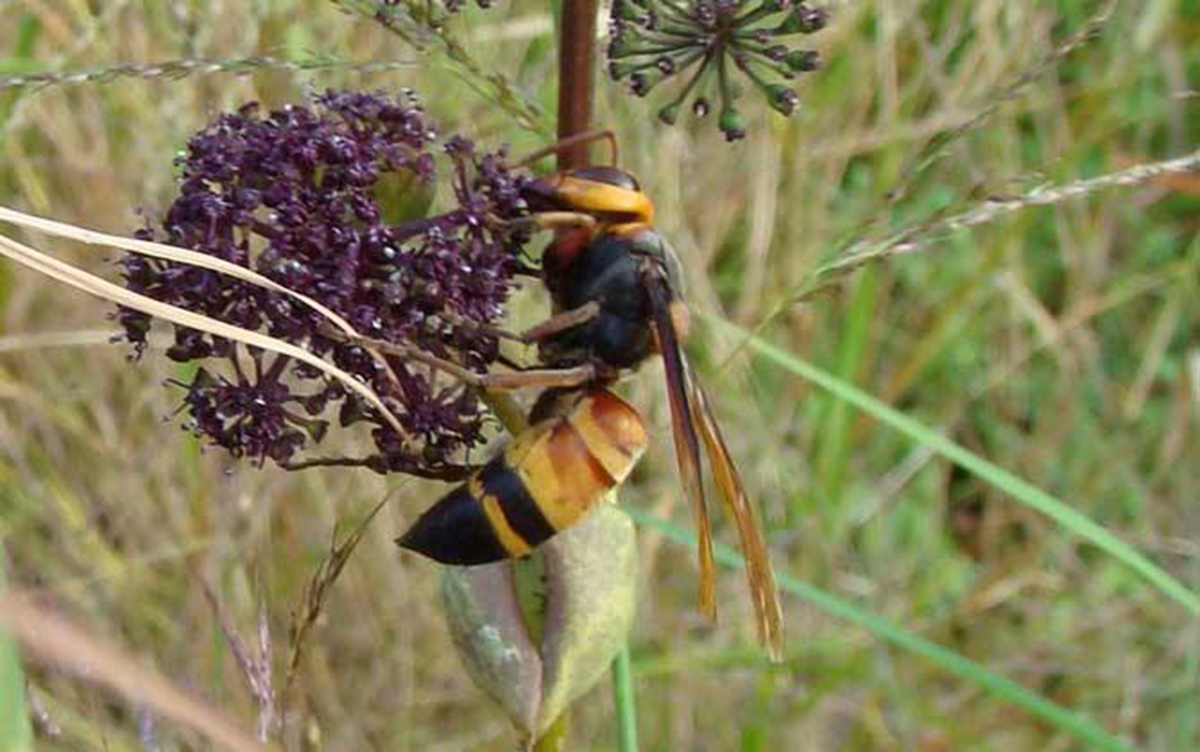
[[701, 40], [302, 195]]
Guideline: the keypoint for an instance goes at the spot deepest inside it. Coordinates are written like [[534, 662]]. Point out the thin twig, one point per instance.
[[255, 667], [535, 377], [448, 473], [184, 67], [316, 592], [417, 22]]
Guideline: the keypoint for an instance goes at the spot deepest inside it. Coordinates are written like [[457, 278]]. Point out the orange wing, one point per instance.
[[763, 590], [687, 446], [689, 410]]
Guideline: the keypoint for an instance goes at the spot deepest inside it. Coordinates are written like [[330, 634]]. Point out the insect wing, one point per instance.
[[687, 445], [758, 562]]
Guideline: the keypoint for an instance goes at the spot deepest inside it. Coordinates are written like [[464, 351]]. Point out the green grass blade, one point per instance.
[[15, 733], [626, 702], [1027, 494], [833, 457], [1006, 689]]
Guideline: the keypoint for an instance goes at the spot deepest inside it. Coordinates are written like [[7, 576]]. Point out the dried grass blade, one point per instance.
[[168, 253], [114, 293], [55, 641]]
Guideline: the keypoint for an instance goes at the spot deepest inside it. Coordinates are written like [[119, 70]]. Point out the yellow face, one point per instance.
[[630, 206]]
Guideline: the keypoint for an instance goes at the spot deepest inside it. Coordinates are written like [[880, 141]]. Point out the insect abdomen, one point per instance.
[[542, 483]]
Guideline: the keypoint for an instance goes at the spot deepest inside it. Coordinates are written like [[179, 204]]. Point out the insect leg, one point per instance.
[[553, 220], [538, 332], [504, 381], [541, 378], [586, 137], [561, 321]]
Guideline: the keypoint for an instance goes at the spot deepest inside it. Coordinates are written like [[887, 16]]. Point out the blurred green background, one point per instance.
[[1059, 343]]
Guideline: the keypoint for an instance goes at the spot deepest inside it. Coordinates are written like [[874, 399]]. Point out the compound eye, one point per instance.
[[608, 176]]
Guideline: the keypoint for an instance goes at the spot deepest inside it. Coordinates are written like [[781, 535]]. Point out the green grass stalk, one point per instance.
[[1061, 718], [1071, 520], [625, 700], [15, 732]]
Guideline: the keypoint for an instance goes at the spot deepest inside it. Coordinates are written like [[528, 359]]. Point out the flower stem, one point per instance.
[[576, 90], [555, 738], [625, 701], [576, 77], [576, 87]]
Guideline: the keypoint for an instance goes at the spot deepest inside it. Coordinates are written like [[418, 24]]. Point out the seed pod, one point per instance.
[[706, 44], [534, 665]]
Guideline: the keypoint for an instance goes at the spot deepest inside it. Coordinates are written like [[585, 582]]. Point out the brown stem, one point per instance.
[[576, 88], [576, 78], [446, 473]]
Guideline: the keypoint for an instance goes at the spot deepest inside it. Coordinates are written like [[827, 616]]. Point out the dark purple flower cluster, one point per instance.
[[299, 195], [653, 40]]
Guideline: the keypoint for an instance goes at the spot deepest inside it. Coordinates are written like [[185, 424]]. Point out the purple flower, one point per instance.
[[306, 197], [653, 40]]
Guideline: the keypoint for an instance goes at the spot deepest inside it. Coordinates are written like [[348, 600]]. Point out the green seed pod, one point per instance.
[[802, 61], [489, 631], [619, 70], [534, 665], [782, 98], [591, 581], [625, 10], [701, 41], [618, 48], [732, 124], [790, 25], [669, 114]]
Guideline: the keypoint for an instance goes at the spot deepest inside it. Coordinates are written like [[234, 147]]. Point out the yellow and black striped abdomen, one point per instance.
[[542, 483]]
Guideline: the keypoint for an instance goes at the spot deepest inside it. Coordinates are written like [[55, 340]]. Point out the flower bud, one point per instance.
[[624, 10], [670, 113], [619, 48], [619, 70], [732, 124], [803, 61], [643, 81], [783, 99]]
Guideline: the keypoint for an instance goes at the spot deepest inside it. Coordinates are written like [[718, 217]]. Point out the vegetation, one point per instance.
[[891, 232]]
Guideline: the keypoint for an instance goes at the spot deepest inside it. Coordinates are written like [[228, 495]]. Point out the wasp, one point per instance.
[[616, 290], [580, 444]]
